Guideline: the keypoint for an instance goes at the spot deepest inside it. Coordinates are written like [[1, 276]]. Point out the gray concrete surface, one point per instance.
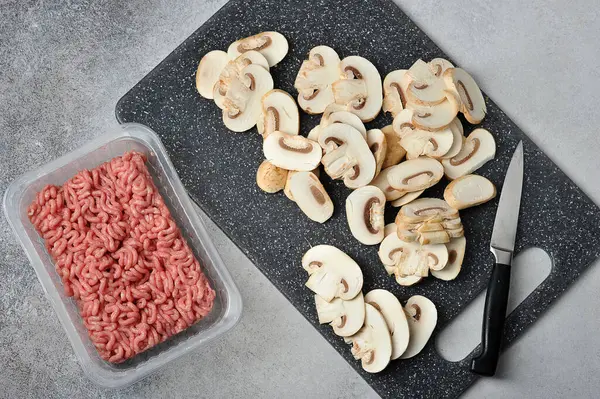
[[63, 66]]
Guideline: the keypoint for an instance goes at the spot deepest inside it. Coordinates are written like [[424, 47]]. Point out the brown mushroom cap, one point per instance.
[[270, 178]]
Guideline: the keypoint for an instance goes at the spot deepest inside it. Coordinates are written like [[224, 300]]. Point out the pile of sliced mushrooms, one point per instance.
[[394, 163]]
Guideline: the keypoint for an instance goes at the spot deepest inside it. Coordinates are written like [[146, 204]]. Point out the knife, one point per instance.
[[502, 246]]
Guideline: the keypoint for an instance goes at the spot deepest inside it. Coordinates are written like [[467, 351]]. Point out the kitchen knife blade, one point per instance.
[[502, 246]]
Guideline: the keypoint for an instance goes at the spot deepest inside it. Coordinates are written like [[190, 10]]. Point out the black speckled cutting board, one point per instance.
[[218, 169]]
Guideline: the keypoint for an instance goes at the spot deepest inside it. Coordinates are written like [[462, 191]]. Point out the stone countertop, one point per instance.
[[63, 66]]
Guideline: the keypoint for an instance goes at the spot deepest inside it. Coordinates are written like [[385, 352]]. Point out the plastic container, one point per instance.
[[228, 303]]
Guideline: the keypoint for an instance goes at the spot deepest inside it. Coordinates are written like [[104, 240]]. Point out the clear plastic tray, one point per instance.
[[228, 303]]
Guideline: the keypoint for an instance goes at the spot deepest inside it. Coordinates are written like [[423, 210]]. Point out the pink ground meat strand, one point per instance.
[[121, 256]]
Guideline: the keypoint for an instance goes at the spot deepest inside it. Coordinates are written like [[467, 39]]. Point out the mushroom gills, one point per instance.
[[310, 196]]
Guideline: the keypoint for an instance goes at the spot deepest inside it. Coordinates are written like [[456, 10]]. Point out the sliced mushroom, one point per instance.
[[439, 65], [407, 198], [431, 93], [455, 233], [286, 189], [242, 101], [378, 145], [372, 344], [434, 237], [346, 317], [279, 113], [395, 318], [314, 134], [270, 178], [426, 209], [457, 139], [364, 211], [425, 258], [232, 72], [472, 103], [468, 191], [431, 144], [394, 87], [394, 153], [315, 78], [407, 281], [352, 160], [272, 45], [456, 253], [208, 72], [395, 253], [477, 149], [310, 195], [381, 181], [360, 89], [421, 315], [389, 228], [403, 123], [415, 174], [344, 117], [435, 117], [292, 152], [333, 274]]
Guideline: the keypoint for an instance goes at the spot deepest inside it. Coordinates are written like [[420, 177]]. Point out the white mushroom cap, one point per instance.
[[439, 65], [344, 117], [372, 344], [364, 211], [393, 313], [278, 113], [394, 152], [415, 174], [431, 144], [456, 253], [310, 195], [378, 145], [472, 103], [346, 317], [394, 87], [435, 117], [360, 89], [270, 178], [273, 45], [457, 139], [333, 274], [352, 160], [208, 72], [242, 101], [381, 181], [421, 315], [232, 71], [468, 191], [315, 77], [407, 198], [477, 149], [292, 152]]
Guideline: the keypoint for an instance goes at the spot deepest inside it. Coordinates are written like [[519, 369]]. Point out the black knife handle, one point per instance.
[[494, 315]]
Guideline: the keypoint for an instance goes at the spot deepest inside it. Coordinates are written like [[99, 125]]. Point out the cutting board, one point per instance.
[[218, 169]]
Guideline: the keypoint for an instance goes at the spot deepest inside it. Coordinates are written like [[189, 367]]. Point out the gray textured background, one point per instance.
[[63, 66]]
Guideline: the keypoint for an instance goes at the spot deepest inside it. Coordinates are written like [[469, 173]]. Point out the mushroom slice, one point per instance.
[[457, 139], [279, 113], [310, 195], [360, 89], [314, 134], [439, 65], [372, 344], [315, 77], [381, 181], [352, 160], [378, 145], [242, 101], [477, 149], [394, 87], [272, 45], [415, 174], [436, 256], [286, 189], [395, 253], [292, 152], [424, 209], [427, 93], [344, 117], [332, 273], [472, 103], [468, 191], [434, 237], [422, 259], [435, 117], [403, 123], [232, 71], [394, 153], [456, 253], [364, 211], [407, 281], [346, 317], [407, 198], [208, 72], [421, 315], [455, 233], [431, 144], [271, 178], [395, 318], [389, 228]]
